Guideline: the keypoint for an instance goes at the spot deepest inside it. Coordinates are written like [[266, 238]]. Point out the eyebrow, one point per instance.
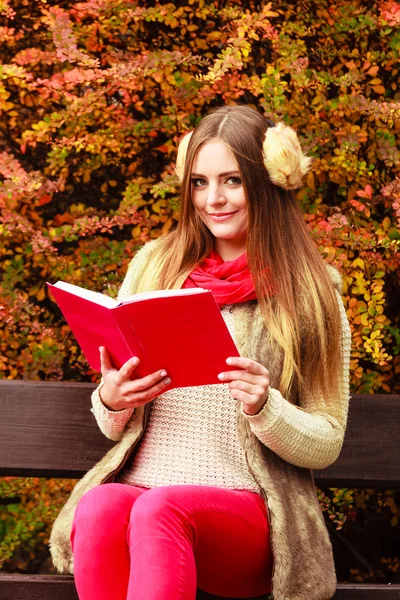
[[220, 175]]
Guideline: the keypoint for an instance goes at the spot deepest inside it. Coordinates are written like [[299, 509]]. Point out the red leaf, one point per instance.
[[45, 199]]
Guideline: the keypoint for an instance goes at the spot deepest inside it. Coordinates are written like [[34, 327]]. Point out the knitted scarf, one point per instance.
[[229, 281]]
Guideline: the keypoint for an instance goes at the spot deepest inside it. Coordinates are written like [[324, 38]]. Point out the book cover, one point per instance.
[[181, 331]]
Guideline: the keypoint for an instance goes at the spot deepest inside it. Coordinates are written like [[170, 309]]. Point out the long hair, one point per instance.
[[302, 314]]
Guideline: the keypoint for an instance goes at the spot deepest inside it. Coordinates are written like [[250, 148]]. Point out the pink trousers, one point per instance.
[[135, 543]]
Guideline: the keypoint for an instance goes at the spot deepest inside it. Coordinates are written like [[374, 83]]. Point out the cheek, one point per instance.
[[197, 201]]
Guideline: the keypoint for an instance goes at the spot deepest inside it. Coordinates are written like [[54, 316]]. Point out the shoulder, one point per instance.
[[144, 254], [137, 267], [335, 277]]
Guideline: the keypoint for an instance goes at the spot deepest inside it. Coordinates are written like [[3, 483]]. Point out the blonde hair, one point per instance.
[[302, 315]]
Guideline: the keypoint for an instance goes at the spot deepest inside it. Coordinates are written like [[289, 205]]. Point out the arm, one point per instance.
[[112, 423], [308, 436]]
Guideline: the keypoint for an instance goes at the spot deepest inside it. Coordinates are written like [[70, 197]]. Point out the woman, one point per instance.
[[219, 492]]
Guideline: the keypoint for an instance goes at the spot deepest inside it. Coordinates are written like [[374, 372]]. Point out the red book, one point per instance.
[[181, 331]]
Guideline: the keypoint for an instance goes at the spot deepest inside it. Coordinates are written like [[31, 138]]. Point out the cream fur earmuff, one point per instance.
[[181, 157], [283, 157]]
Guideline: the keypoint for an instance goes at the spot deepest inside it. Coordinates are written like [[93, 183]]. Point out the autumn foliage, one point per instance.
[[94, 97]]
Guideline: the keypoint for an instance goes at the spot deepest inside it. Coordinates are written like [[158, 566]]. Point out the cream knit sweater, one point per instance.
[[191, 436]]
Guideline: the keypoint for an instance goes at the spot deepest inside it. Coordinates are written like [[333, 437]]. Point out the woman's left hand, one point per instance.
[[249, 384]]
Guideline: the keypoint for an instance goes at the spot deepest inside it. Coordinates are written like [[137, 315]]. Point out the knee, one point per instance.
[[101, 505], [157, 506]]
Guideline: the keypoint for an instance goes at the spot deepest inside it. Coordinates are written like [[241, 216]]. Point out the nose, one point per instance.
[[215, 196]]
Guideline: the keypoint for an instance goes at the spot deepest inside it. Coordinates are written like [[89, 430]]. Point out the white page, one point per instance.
[[96, 297], [162, 294]]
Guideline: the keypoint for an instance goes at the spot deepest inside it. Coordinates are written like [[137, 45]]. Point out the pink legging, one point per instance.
[[135, 543]]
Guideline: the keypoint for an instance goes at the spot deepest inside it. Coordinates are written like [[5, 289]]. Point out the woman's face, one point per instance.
[[219, 199]]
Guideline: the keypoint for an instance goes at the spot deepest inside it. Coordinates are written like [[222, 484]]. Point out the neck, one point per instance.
[[229, 249]]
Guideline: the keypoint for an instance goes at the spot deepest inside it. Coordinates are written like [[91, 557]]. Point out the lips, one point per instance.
[[221, 216]]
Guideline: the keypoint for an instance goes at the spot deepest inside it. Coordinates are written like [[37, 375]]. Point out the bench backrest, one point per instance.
[[47, 429]]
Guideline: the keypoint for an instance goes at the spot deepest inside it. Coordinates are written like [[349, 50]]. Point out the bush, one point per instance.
[[94, 98]]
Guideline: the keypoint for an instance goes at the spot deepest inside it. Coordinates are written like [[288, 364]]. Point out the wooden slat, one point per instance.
[[58, 587], [47, 429], [37, 587], [371, 451], [367, 592]]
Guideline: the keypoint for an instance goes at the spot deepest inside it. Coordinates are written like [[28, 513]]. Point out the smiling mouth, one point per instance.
[[222, 214], [220, 217]]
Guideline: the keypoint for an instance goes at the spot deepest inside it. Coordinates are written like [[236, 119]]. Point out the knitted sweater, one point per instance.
[[191, 435]]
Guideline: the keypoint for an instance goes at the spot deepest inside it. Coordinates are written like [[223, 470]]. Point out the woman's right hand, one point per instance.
[[120, 391]]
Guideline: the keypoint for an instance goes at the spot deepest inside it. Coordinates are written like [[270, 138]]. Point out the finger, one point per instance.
[[247, 363], [256, 391], [105, 361], [140, 398], [144, 383], [242, 375], [130, 365], [244, 397]]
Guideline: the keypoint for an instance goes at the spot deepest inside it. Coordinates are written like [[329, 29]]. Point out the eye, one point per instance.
[[198, 181], [235, 180], [195, 180]]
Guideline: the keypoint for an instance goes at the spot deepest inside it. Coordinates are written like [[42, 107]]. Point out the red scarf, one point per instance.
[[229, 281]]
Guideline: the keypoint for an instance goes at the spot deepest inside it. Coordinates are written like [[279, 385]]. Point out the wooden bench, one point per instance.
[[47, 430]]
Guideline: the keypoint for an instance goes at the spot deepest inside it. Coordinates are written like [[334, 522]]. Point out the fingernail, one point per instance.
[[163, 373], [229, 361], [167, 381], [221, 376], [135, 360]]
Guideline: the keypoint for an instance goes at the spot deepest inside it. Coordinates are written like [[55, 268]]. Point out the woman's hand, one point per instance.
[[119, 391], [249, 384]]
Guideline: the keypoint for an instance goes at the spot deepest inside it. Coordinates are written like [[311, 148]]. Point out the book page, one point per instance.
[[162, 294], [96, 297]]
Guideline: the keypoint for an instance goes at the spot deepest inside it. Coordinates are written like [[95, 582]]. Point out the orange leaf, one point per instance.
[[162, 148], [379, 89], [373, 71]]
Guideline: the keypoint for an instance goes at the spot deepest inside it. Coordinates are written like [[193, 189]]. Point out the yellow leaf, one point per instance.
[[41, 294], [364, 319], [378, 89], [358, 262], [311, 180]]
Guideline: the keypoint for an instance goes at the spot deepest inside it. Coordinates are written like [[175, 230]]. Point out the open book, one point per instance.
[[181, 331]]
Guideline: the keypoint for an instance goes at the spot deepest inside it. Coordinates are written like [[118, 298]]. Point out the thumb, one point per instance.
[[105, 360]]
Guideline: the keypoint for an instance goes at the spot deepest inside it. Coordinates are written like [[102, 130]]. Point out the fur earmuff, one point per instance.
[[181, 156], [283, 157]]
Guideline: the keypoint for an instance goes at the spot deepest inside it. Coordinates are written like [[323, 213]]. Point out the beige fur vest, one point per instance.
[[303, 560]]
